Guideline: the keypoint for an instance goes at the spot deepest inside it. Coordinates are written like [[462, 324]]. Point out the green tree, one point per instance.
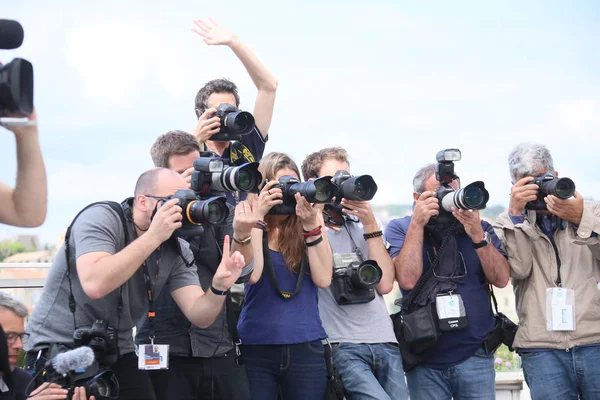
[[8, 248]]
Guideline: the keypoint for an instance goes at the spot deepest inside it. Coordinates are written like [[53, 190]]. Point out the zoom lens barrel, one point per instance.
[[471, 197]]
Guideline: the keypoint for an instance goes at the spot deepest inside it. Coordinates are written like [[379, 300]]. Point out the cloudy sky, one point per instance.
[[392, 81]]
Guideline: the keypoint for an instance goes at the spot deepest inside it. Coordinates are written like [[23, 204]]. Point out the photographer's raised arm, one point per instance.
[[215, 34], [202, 308], [320, 257], [101, 272], [26, 204]]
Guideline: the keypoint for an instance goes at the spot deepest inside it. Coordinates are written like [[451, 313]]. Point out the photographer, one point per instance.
[[279, 326], [199, 356], [25, 205], [365, 350], [117, 280], [469, 256], [12, 319], [222, 91], [551, 236]]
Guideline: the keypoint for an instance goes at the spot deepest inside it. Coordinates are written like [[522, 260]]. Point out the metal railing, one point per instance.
[[9, 282]]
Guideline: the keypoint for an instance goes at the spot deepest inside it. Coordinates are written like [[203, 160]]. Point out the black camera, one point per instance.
[[320, 190], [102, 339], [362, 187], [16, 77], [563, 188], [77, 368], [212, 177], [234, 123], [354, 281], [504, 333], [472, 197], [198, 211]]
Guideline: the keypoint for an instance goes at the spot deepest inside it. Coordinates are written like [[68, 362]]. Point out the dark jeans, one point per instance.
[[298, 370], [192, 378], [134, 384]]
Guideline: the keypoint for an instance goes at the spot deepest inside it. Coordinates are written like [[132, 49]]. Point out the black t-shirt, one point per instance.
[[19, 380], [250, 149]]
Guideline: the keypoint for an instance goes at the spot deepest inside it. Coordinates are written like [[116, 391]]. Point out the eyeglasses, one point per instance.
[[160, 198], [11, 337]]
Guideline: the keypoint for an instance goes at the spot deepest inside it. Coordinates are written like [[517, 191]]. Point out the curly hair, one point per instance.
[[221, 85]]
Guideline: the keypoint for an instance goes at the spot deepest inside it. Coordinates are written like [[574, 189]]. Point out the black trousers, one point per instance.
[[193, 378], [134, 384]]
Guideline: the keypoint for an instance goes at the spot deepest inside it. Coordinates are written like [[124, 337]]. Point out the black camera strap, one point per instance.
[[271, 270], [355, 248], [150, 293], [116, 207], [493, 298]]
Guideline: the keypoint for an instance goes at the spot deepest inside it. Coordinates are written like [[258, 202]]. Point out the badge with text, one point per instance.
[[451, 312], [560, 309], [153, 356]]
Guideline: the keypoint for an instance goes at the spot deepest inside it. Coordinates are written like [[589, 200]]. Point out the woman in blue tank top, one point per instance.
[[279, 326]]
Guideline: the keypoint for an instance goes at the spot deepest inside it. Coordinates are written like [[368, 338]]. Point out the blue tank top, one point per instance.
[[268, 318]]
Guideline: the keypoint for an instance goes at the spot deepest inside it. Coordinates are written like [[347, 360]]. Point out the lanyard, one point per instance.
[[150, 294]]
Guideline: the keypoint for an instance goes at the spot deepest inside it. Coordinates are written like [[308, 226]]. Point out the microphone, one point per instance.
[[72, 360], [11, 34]]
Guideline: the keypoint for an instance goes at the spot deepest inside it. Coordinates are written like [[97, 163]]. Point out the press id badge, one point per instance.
[[153, 356], [560, 309], [451, 312]]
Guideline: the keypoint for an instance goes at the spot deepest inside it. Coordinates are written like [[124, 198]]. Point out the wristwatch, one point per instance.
[[243, 242], [486, 240]]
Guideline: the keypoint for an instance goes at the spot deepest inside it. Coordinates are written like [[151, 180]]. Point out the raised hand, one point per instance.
[[213, 33], [243, 220], [229, 269]]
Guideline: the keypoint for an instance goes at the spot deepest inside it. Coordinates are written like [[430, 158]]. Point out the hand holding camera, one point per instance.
[[166, 220], [307, 213], [568, 209], [471, 221], [229, 269], [244, 219], [522, 193], [269, 196], [363, 211], [426, 206], [208, 124]]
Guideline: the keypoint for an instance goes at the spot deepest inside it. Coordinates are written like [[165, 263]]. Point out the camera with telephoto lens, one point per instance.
[[472, 197], [198, 211], [212, 177], [320, 190], [234, 123], [362, 187], [16, 77], [354, 281], [563, 188], [102, 339]]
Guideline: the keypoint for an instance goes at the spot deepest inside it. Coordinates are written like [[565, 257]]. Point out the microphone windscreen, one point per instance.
[[79, 358], [11, 34]]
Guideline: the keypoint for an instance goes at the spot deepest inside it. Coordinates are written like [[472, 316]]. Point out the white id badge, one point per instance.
[[153, 356], [560, 309], [448, 306]]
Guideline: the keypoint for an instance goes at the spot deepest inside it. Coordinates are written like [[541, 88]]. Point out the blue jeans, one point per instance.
[[297, 369], [474, 378], [370, 371], [560, 374]]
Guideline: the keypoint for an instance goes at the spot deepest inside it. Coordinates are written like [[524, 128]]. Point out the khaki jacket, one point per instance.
[[533, 269]]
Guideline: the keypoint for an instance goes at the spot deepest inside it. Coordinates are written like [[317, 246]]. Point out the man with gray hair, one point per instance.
[[12, 319], [554, 254]]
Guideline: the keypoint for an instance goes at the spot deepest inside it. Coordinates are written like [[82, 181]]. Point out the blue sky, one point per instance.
[[392, 81]]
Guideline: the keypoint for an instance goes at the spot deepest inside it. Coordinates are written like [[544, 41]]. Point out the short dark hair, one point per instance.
[[313, 162], [221, 85], [172, 143]]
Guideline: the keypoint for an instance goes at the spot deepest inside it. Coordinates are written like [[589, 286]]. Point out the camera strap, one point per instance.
[[355, 248], [155, 259], [116, 207], [271, 270]]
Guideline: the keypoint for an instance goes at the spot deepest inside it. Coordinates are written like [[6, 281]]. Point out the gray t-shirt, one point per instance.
[[354, 323], [99, 229]]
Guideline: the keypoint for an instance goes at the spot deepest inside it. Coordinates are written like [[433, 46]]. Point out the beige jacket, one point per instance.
[[533, 269]]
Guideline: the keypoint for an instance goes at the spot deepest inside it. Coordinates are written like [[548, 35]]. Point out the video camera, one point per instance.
[[16, 77], [320, 190], [234, 123], [78, 367], [563, 188], [354, 281], [101, 338], [472, 197]]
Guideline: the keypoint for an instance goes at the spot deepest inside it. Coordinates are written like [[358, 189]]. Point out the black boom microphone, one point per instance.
[[11, 34]]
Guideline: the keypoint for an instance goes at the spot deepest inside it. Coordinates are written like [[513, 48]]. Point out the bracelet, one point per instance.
[[314, 232], [243, 242], [218, 292], [262, 225], [314, 242], [372, 235]]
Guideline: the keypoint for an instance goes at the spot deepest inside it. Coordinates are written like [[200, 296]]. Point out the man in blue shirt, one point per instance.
[[458, 367], [222, 91]]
